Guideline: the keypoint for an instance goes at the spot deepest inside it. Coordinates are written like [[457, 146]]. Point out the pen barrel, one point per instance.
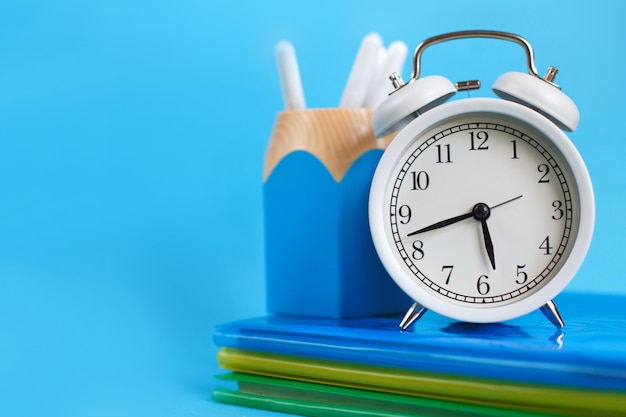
[[320, 258]]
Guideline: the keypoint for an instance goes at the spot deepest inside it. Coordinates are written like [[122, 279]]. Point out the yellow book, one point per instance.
[[483, 392]]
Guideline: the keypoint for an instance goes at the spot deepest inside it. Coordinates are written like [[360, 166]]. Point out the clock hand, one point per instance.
[[443, 223], [456, 219], [488, 244], [507, 201], [481, 213]]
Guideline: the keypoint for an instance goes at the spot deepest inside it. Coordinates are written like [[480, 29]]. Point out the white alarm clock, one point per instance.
[[481, 209]]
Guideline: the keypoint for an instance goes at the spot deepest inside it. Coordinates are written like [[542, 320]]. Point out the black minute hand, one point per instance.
[[443, 223], [456, 219]]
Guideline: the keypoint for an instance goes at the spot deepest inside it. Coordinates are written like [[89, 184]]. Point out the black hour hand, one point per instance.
[[481, 212]]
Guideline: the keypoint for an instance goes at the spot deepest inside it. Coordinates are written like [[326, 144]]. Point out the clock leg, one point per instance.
[[414, 314], [552, 313]]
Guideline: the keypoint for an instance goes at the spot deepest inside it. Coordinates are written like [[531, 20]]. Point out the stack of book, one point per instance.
[[441, 367]]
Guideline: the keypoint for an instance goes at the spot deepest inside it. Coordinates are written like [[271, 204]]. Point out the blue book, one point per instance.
[[589, 353]]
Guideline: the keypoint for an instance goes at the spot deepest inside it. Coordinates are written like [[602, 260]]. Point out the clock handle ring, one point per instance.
[[530, 56]]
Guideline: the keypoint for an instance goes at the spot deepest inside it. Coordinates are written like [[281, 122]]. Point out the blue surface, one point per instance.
[[132, 138]]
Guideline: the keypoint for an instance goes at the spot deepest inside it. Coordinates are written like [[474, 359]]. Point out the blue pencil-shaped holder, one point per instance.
[[320, 258]]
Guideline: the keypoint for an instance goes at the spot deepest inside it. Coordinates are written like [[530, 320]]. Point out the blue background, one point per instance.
[[132, 136]]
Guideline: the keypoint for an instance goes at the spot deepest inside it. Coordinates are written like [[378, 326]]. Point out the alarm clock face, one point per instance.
[[481, 210]]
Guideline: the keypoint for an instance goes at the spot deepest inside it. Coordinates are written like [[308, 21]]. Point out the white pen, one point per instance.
[[380, 86], [362, 71], [289, 74]]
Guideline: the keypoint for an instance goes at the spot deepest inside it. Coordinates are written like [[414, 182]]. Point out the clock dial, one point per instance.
[[481, 210]]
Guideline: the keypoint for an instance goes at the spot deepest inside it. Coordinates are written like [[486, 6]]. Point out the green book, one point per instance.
[[319, 400]]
